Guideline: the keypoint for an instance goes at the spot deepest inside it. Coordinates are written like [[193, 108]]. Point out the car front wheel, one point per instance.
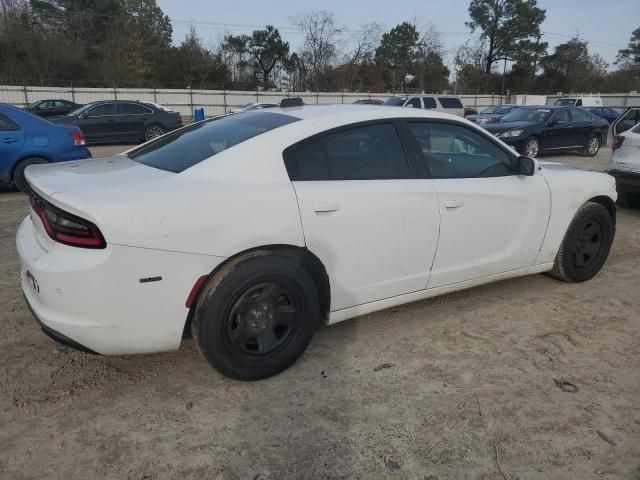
[[586, 244], [256, 316], [532, 147]]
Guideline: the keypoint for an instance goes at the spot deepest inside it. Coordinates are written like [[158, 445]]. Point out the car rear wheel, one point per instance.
[[19, 179], [256, 316], [532, 147], [586, 244], [592, 146], [153, 131]]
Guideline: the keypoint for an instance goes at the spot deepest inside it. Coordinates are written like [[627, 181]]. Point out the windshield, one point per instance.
[[527, 115], [565, 102], [494, 109], [188, 146], [79, 110], [395, 101]]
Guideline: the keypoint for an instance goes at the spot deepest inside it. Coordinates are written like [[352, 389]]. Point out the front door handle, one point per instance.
[[451, 204], [326, 207], [9, 140]]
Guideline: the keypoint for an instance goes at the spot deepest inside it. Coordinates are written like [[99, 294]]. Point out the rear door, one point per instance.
[[583, 125], [372, 224], [132, 118], [99, 123], [492, 219], [12, 137]]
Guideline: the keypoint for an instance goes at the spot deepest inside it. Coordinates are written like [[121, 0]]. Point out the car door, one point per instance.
[[98, 123], [558, 133], [132, 118], [628, 119], [373, 226], [492, 220], [12, 137]]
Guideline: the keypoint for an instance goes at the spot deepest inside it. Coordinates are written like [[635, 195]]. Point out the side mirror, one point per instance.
[[83, 115], [408, 105], [526, 166]]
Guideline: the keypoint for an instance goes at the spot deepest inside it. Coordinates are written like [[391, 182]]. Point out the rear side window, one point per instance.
[[7, 125], [429, 102], [179, 150], [102, 110], [450, 102], [132, 109], [579, 115], [359, 153]]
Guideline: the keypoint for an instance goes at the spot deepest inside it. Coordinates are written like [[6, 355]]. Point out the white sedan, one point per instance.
[[253, 229]]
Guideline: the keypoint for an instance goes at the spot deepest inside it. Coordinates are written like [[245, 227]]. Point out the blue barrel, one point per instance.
[[198, 114]]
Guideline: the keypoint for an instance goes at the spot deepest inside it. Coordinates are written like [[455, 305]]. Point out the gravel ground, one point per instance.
[[456, 387]]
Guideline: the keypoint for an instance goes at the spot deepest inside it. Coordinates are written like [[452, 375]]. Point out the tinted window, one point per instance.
[[188, 146], [368, 152], [580, 115], [450, 102], [628, 120], [452, 151], [560, 116], [565, 102], [415, 102], [527, 115], [132, 109], [101, 110], [395, 101], [429, 102], [7, 125]]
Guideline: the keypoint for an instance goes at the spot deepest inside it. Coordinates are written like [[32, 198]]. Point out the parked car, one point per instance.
[[441, 103], [491, 114], [469, 111], [580, 101], [369, 101], [251, 230], [121, 121], [26, 139], [255, 106], [609, 114], [535, 130], [51, 108], [625, 159]]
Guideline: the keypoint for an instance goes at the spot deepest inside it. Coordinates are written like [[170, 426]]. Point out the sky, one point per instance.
[[606, 25]]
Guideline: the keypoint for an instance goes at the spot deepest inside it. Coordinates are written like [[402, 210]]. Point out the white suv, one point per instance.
[[625, 160], [441, 103]]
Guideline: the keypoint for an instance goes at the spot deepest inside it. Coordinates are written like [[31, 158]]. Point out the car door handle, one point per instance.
[[9, 140], [451, 204], [326, 207]]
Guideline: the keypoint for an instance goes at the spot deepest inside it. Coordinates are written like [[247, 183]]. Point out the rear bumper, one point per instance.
[[94, 300], [626, 180]]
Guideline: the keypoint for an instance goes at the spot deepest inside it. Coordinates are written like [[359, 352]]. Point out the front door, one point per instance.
[[99, 123], [559, 132], [491, 219], [373, 226]]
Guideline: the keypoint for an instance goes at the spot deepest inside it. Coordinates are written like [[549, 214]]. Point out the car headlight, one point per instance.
[[483, 120], [511, 133]]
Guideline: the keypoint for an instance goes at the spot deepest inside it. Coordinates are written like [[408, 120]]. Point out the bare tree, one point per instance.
[[363, 48], [320, 42]]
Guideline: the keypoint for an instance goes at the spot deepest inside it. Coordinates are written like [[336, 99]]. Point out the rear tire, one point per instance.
[[19, 179], [256, 316], [153, 131], [586, 244], [593, 146]]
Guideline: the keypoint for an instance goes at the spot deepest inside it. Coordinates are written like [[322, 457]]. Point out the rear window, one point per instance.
[[450, 102], [184, 148]]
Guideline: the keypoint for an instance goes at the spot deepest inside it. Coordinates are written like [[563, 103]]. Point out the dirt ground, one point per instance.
[[456, 387]]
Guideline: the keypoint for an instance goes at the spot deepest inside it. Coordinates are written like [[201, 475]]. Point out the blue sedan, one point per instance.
[[26, 139]]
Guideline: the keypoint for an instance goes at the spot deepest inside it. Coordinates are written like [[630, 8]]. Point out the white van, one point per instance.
[[581, 101], [441, 103]]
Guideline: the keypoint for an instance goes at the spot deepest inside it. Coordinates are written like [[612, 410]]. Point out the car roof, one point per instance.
[[366, 112]]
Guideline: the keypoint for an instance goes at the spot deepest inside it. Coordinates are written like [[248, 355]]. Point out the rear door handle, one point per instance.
[[326, 207], [451, 204]]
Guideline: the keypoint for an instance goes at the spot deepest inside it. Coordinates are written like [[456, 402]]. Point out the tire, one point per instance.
[[531, 147], [593, 146], [153, 131], [586, 244], [256, 316], [19, 179]]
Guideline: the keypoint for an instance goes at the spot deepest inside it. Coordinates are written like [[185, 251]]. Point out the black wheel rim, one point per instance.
[[588, 244], [262, 319]]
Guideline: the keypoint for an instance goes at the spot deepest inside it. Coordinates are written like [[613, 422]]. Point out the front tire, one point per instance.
[[256, 316], [593, 146], [586, 244], [531, 147], [19, 179]]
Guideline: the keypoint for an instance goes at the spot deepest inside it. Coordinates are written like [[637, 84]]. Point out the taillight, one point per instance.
[[66, 228], [618, 140], [179, 118], [78, 139]]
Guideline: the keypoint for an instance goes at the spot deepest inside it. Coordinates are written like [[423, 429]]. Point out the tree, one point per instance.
[[397, 53], [268, 50], [433, 75], [630, 57], [506, 25], [364, 43], [234, 51], [320, 43]]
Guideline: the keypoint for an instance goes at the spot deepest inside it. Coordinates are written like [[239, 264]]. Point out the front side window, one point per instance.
[[101, 110], [453, 151], [560, 116], [359, 153], [7, 125], [183, 148], [415, 102]]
